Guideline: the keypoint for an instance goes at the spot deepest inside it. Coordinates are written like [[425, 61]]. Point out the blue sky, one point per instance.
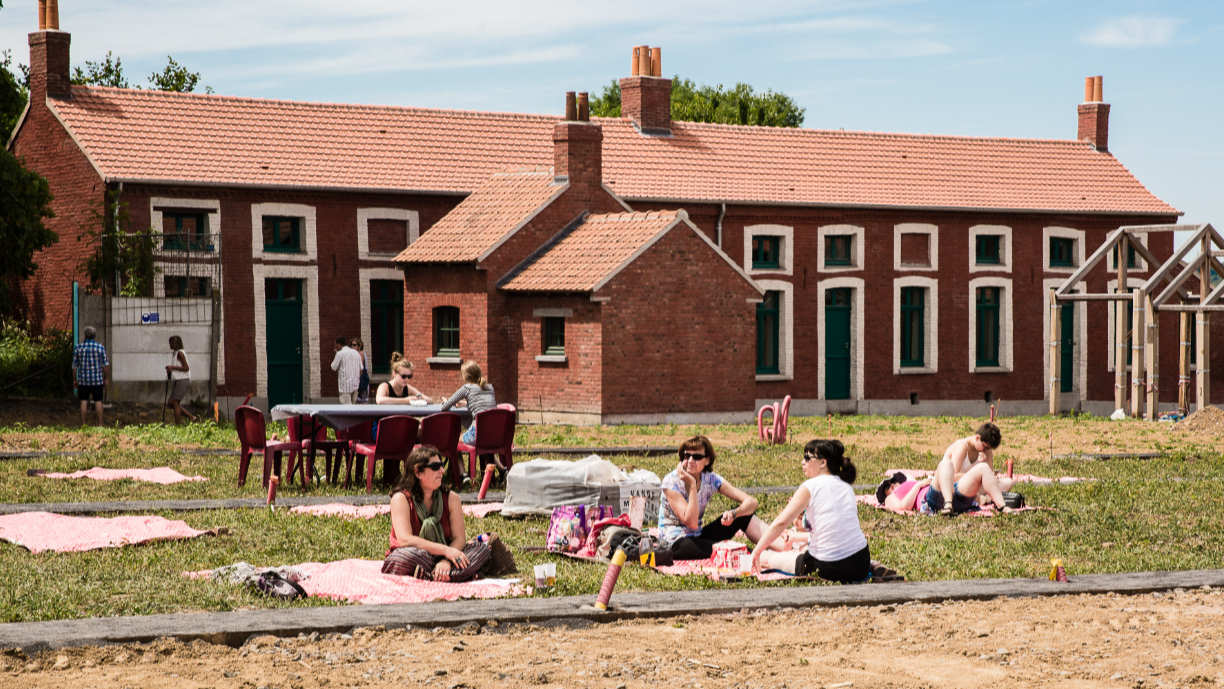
[[969, 68]]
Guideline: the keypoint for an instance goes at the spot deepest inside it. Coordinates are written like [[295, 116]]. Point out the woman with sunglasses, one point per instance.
[[837, 549], [687, 492], [397, 389], [427, 538]]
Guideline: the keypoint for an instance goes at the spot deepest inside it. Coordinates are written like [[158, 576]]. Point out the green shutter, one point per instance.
[[913, 326], [1061, 252], [554, 336], [838, 249], [446, 331], [988, 326], [988, 249], [767, 333], [766, 252]]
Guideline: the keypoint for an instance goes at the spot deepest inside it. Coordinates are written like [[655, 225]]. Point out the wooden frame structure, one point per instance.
[[1144, 305]]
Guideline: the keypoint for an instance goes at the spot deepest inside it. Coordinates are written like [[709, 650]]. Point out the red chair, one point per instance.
[[494, 436], [361, 433], [253, 436], [396, 437], [306, 468], [442, 430]]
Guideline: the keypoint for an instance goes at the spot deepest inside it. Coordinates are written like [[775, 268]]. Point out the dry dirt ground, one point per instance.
[[1155, 640]]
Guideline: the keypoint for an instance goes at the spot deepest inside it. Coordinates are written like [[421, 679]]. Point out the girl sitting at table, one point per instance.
[[427, 538], [476, 394], [397, 390]]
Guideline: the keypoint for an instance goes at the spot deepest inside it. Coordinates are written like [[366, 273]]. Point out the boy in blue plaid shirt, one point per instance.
[[92, 369]]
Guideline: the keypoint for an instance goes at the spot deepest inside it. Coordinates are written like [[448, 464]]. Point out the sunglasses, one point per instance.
[[405, 376], [433, 466], [808, 458], [692, 455]]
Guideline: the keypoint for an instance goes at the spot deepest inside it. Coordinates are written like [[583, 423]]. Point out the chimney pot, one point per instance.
[[656, 62], [571, 113], [1097, 88], [633, 70], [584, 107], [1088, 89], [42, 15], [644, 62], [1094, 116], [53, 15]]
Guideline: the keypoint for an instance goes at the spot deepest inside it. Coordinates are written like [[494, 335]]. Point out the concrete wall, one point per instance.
[[139, 353]]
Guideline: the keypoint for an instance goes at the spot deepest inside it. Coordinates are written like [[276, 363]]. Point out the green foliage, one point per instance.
[[25, 200], [692, 103], [175, 77], [117, 249], [14, 92], [23, 354], [108, 72]]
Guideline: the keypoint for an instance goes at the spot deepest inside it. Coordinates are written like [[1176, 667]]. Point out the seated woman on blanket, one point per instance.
[[837, 549], [900, 494], [953, 489], [427, 536], [687, 491]]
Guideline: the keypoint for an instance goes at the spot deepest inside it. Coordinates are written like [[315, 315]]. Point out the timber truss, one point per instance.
[[1165, 290]]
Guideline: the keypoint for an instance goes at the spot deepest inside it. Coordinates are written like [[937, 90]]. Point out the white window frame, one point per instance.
[[309, 253], [786, 253], [1111, 287], [856, 332], [858, 252], [365, 277], [786, 331], [1006, 331], [312, 364], [1077, 252], [1006, 260], [175, 268], [930, 325], [1081, 341], [365, 215], [932, 233]]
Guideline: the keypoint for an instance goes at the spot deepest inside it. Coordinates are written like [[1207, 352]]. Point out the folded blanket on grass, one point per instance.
[[915, 474], [987, 511], [42, 531], [162, 475], [362, 581], [336, 509]]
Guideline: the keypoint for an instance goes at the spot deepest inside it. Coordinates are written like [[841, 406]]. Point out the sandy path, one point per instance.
[[1156, 640]]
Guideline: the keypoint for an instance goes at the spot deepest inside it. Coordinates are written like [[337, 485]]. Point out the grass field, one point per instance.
[[1139, 515]]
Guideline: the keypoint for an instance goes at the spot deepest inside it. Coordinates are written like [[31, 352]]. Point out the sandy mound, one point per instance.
[[1208, 421]]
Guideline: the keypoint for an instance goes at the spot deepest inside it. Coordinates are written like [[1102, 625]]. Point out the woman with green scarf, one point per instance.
[[427, 536]]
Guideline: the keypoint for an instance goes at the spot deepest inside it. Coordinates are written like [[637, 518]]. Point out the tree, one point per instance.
[[117, 249], [25, 200], [109, 72], [693, 103], [14, 92], [175, 77]]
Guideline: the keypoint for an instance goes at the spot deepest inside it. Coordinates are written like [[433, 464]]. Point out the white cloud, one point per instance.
[[1133, 32]]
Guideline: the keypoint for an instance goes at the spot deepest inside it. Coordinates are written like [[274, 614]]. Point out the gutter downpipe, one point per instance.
[[722, 212]]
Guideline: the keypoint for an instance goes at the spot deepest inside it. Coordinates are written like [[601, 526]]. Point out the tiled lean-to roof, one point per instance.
[[153, 136], [483, 220]]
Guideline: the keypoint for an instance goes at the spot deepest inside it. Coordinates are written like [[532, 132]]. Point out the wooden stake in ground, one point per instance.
[[1137, 363], [1120, 311], [1203, 391], [1055, 354], [1183, 365], [1151, 353]]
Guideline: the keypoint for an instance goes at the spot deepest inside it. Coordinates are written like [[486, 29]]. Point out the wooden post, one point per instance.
[[1138, 378], [1121, 309], [1203, 356], [1055, 354], [1183, 364], [1152, 354]]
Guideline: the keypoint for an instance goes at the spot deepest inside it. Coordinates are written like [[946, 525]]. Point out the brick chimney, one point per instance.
[[1094, 115], [578, 145], [646, 95], [50, 72]]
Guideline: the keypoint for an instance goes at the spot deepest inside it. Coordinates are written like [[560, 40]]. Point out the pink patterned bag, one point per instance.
[[570, 525]]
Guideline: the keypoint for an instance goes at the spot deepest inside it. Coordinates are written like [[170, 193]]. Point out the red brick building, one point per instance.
[[897, 273]]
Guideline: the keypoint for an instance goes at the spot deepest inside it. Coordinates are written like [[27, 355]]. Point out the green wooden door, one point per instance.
[[283, 305], [1067, 351], [837, 344], [386, 323]]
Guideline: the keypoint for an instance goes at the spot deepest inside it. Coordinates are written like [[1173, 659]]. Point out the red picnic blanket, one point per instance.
[[162, 475], [42, 531]]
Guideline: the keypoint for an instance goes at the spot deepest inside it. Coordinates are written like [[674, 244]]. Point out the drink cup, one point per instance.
[[541, 576], [745, 563], [550, 573]]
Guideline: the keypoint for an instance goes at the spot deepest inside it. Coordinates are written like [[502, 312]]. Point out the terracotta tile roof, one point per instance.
[[485, 219], [592, 252], [192, 138]]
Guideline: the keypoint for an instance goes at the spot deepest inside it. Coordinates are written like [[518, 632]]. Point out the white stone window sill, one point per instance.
[[552, 358], [1062, 270], [380, 256], [991, 369], [915, 370], [916, 266], [768, 377], [444, 360], [838, 269]]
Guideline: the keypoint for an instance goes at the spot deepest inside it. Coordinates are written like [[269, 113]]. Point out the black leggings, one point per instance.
[[701, 546], [847, 570]]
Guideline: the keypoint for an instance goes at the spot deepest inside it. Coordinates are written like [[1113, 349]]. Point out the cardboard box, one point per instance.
[[726, 554], [618, 495]]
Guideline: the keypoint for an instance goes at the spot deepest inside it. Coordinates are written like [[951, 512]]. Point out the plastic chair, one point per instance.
[[347, 440], [306, 468], [775, 432], [396, 437], [494, 436], [442, 430], [253, 436]]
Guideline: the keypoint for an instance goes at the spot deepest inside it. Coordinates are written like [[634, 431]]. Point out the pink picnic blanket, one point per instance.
[[162, 475], [336, 509], [42, 531], [985, 511], [709, 570], [362, 581], [915, 474]]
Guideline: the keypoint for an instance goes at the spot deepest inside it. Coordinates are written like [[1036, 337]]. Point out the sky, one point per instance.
[[998, 68]]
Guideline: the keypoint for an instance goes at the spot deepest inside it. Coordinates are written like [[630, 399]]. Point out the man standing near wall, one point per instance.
[[91, 369], [347, 365]]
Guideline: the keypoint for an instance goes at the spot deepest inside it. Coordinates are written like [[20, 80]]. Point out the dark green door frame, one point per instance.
[[837, 343], [283, 309]]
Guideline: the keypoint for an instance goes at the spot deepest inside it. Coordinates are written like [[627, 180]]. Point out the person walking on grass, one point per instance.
[[347, 365], [179, 371], [91, 371]]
